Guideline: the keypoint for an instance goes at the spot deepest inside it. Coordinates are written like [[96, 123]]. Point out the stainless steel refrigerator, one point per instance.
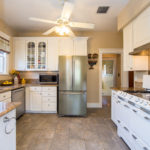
[[72, 85]]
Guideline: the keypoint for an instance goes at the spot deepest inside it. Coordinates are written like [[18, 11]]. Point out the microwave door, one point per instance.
[[65, 73]]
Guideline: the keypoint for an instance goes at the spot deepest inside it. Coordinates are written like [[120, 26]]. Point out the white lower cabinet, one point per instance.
[[35, 101], [8, 131], [133, 125], [42, 99], [5, 97]]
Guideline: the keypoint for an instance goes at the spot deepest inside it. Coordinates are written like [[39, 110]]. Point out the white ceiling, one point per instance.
[[16, 13]]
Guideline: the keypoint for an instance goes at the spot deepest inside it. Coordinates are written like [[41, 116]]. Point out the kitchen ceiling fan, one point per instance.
[[63, 24]]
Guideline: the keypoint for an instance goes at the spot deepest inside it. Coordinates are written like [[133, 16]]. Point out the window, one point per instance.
[[3, 63]]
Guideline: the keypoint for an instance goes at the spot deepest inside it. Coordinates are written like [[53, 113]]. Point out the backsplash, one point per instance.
[[138, 78]]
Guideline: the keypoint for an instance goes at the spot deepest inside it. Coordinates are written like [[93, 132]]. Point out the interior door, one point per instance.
[[65, 73], [79, 73]]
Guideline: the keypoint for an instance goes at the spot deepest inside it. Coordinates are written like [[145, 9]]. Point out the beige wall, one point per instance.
[[96, 40], [132, 10], [4, 28]]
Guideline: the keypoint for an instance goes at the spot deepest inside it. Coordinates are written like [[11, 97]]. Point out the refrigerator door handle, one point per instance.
[[72, 93]]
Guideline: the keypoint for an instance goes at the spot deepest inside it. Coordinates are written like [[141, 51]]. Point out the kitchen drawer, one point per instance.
[[5, 95], [124, 133], [49, 99], [50, 107], [49, 89], [50, 93], [7, 100], [34, 89], [138, 144]]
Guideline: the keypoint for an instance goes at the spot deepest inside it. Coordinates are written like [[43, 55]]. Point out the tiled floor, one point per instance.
[[49, 132]]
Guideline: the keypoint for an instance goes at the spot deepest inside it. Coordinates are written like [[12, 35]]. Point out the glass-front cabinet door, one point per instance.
[[31, 56], [42, 55], [36, 55]]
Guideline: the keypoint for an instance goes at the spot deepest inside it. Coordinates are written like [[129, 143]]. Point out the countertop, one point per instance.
[[145, 96], [13, 87], [7, 107]]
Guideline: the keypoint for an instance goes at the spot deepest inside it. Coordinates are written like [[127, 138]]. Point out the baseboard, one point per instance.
[[94, 105]]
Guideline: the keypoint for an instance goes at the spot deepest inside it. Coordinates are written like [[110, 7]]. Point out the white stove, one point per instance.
[[139, 100]]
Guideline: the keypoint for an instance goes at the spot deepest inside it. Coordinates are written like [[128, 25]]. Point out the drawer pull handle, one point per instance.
[[134, 137], [134, 110], [118, 121], [126, 106], [126, 129], [147, 118], [7, 131], [6, 119]]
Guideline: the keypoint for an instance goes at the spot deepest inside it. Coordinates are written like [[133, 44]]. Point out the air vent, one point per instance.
[[102, 9]]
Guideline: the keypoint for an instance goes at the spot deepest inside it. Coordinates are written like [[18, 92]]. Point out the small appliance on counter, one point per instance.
[[49, 78]]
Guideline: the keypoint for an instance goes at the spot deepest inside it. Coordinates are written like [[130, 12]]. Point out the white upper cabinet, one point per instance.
[[52, 62], [65, 46], [36, 54], [141, 29], [41, 53], [80, 46], [127, 47], [73, 46], [19, 47]]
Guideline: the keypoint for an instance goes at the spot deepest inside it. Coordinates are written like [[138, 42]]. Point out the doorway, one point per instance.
[[111, 70], [111, 75]]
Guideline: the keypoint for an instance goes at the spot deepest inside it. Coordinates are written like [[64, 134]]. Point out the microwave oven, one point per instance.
[[49, 78]]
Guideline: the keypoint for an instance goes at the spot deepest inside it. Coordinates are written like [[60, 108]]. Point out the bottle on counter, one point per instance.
[[23, 81]]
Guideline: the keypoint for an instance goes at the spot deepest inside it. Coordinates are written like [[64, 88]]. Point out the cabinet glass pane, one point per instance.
[[42, 55], [31, 55]]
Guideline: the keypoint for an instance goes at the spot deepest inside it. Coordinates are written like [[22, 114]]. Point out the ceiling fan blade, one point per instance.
[[42, 20], [82, 25], [67, 10], [49, 31], [71, 33]]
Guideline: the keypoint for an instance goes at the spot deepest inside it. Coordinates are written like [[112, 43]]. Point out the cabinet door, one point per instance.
[[141, 29], [42, 55], [113, 107], [19, 46], [66, 46], [127, 48], [31, 55], [35, 101], [52, 58], [80, 46]]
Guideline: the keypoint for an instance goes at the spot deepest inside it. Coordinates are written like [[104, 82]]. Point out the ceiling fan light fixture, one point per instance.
[[62, 30]]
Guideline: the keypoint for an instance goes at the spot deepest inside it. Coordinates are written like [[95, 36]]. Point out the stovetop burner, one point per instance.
[[138, 91]]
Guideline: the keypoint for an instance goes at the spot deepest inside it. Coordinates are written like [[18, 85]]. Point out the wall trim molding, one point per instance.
[[94, 105]]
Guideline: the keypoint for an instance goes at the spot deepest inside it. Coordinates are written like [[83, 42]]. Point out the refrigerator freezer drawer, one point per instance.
[[72, 103]]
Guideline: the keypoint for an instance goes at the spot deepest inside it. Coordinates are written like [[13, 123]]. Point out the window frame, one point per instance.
[[5, 58]]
